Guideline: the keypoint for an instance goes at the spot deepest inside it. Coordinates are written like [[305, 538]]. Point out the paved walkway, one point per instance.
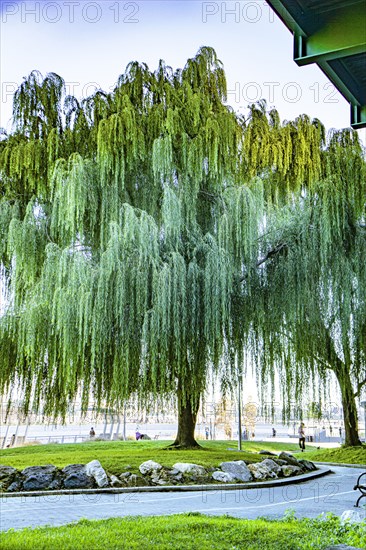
[[333, 493]]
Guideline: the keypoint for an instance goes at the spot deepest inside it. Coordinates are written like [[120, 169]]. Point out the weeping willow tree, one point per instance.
[[131, 232], [314, 286]]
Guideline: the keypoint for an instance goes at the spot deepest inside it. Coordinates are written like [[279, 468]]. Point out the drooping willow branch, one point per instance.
[[127, 220]]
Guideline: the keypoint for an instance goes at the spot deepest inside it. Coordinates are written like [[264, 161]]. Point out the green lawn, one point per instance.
[[188, 531], [352, 455], [116, 456]]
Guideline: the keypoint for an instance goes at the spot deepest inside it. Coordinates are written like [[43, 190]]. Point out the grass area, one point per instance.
[[188, 531], [117, 456], [350, 455]]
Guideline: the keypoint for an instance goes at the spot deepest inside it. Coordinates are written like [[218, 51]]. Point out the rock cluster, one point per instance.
[[48, 478], [285, 465], [154, 473], [235, 471], [92, 475]]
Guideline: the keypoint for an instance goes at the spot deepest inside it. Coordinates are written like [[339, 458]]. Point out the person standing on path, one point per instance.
[[301, 431]]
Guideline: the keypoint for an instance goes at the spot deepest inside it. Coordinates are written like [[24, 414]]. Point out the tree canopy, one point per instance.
[[151, 234], [313, 289]]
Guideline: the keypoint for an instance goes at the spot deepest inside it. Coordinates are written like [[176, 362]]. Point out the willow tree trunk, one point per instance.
[[349, 406], [187, 417]]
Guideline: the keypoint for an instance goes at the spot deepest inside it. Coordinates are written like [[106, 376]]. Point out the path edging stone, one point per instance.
[[340, 464]]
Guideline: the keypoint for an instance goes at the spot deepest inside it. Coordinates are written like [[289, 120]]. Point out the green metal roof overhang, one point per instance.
[[332, 34]]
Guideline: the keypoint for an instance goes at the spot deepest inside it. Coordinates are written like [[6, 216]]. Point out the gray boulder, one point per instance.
[[289, 458], [76, 477], [190, 469], [159, 477], [6, 471], [238, 469], [306, 465], [7, 476], [166, 476], [271, 465], [223, 477], [37, 478], [261, 472], [290, 470], [149, 467], [95, 469]]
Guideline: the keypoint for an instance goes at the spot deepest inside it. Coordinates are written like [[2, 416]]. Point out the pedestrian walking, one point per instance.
[[301, 432]]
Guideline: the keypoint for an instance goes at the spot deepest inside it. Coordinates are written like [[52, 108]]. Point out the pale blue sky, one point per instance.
[[90, 43]]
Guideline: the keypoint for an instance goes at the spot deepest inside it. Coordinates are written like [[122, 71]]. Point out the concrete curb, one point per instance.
[[176, 488], [361, 466]]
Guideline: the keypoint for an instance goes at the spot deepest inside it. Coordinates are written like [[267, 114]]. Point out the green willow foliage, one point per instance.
[[132, 229], [318, 325]]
